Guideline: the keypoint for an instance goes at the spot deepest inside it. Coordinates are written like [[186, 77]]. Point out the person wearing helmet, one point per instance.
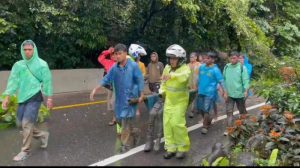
[[209, 77], [135, 52], [174, 89]]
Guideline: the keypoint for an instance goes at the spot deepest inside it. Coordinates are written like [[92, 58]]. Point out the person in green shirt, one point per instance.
[[29, 77], [236, 81]]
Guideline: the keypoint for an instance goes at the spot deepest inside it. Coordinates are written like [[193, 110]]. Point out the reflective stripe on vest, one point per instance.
[[172, 89]]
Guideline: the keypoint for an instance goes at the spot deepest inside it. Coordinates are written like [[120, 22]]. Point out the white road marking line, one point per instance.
[[140, 148]]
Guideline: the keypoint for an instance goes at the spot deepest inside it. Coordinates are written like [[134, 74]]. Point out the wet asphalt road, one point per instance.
[[81, 136]]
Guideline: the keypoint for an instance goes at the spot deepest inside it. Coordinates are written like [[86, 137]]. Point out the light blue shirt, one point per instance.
[[208, 79]]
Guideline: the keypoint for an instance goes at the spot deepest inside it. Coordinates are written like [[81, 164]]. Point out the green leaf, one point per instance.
[[205, 163], [4, 125], [273, 158], [217, 161], [224, 162], [2, 111], [8, 118], [237, 149], [261, 162]]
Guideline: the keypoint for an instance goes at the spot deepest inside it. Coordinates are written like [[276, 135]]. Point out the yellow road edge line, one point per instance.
[[78, 105]]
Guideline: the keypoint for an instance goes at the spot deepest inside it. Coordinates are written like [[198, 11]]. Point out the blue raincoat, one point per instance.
[[249, 70], [247, 65], [128, 83]]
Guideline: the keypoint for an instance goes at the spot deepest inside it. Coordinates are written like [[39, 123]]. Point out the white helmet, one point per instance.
[[135, 50], [175, 50]]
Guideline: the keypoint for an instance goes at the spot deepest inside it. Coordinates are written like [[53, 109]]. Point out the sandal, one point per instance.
[[21, 156]]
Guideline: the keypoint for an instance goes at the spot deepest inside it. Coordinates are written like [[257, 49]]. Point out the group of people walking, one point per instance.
[[124, 78], [172, 84]]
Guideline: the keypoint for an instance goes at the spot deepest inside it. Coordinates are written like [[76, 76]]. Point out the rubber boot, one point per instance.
[[180, 155], [159, 125], [149, 139], [149, 144], [169, 155], [156, 147]]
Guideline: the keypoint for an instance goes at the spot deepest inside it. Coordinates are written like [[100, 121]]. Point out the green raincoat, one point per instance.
[[23, 81], [176, 95]]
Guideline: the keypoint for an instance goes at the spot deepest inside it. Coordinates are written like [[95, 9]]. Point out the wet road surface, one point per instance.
[[80, 136]]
